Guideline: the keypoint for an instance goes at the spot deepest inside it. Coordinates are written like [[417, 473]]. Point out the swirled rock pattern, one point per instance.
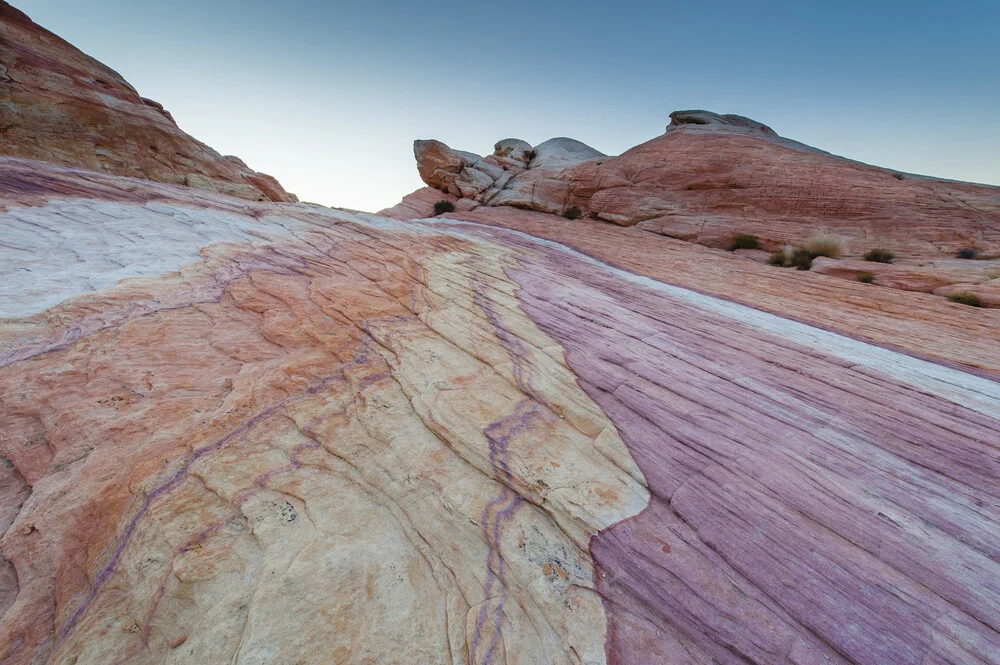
[[235, 430], [312, 435], [246, 432]]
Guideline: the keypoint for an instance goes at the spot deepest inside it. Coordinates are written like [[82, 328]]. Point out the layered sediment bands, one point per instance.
[[245, 432], [808, 505], [915, 323], [237, 431], [336, 439]]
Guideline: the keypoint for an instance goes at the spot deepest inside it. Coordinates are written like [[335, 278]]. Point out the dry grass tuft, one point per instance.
[[825, 245]]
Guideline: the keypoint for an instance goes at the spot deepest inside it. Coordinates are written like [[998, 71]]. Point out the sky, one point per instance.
[[328, 96]]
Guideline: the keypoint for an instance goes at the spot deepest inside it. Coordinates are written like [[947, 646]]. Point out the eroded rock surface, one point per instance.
[[515, 174], [711, 176], [927, 276], [238, 431], [305, 434], [309, 429], [60, 105]]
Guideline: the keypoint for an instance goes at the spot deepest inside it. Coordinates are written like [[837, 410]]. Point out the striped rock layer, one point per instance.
[[277, 433], [240, 431]]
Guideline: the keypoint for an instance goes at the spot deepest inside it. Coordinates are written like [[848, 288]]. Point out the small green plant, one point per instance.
[[744, 241], [778, 258], [965, 298], [443, 206], [967, 253], [801, 259], [866, 277], [824, 245], [572, 213], [880, 255]]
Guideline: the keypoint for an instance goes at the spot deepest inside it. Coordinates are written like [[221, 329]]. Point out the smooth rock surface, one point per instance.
[[559, 153], [320, 435]]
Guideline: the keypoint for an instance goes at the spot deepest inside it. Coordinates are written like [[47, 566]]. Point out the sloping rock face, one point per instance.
[[59, 105], [293, 435], [254, 433], [711, 176], [914, 323]]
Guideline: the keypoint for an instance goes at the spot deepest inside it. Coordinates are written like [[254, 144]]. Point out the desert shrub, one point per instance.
[[801, 258], [965, 298], [825, 245], [744, 241], [572, 213], [866, 277], [778, 258], [880, 255], [993, 273], [443, 206], [967, 253]]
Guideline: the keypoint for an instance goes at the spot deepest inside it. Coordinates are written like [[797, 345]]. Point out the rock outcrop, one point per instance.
[[711, 176], [59, 105], [250, 432], [512, 175]]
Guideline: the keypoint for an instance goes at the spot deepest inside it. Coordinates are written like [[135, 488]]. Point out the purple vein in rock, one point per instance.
[[511, 343], [498, 434], [496, 513]]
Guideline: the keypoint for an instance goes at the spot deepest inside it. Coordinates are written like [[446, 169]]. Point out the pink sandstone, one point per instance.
[[802, 486], [243, 431]]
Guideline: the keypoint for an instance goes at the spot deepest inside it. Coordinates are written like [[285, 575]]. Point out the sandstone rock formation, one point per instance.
[[304, 434], [309, 426], [711, 176], [500, 179], [248, 432], [59, 105]]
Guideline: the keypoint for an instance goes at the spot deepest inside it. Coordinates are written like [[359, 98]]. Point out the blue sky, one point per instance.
[[328, 96]]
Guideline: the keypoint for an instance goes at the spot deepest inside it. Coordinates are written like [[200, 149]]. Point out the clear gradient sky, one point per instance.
[[327, 96]]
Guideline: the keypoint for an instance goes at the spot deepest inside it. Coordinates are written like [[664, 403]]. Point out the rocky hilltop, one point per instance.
[[60, 105], [710, 176], [254, 432]]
